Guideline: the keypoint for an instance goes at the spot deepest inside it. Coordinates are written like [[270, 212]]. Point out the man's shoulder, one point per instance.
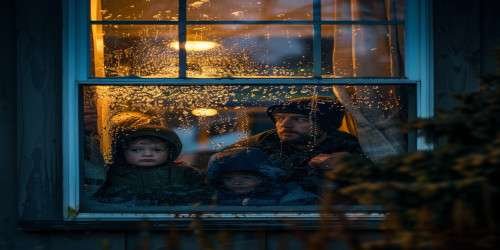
[[341, 141], [258, 140]]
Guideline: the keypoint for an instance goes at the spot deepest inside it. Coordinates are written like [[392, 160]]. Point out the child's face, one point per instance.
[[146, 153], [241, 183]]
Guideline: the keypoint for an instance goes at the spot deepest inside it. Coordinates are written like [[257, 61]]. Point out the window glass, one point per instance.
[[249, 10], [362, 50], [237, 50], [368, 10], [229, 145], [134, 10], [134, 50], [249, 51]]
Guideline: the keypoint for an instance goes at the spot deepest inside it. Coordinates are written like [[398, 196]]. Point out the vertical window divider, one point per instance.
[[316, 38], [182, 38]]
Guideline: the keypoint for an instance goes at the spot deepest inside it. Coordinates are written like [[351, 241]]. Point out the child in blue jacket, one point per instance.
[[245, 177]]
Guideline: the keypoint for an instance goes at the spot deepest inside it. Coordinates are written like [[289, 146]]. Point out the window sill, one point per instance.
[[353, 218]]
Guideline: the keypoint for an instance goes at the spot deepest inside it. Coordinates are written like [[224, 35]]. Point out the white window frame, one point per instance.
[[418, 69]]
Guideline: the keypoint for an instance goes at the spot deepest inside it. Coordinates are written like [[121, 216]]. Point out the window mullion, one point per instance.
[[252, 81], [317, 39], [182, 39]]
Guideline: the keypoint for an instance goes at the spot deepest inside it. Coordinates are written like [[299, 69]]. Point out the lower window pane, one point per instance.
[[239, 146]]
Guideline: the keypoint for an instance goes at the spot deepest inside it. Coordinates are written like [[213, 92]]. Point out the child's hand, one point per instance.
[[327, 161]]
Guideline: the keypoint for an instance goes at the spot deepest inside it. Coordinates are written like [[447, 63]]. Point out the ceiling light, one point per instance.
[[204, 112], [195, 45]]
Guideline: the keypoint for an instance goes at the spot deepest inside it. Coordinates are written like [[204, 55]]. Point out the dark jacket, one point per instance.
[[295, 161], [170, 183], [272, 190]]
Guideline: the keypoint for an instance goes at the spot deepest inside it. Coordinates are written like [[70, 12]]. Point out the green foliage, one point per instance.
[[72, 212], [446, 198]]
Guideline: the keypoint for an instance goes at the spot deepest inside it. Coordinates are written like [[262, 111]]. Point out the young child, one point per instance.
[[245, 177], [144, 170]]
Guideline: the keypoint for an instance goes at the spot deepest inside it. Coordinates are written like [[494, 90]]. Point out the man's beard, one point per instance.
[[302, 139]]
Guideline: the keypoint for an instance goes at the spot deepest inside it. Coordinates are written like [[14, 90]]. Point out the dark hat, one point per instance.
[[168, 136], [242, 159], [324, 111]]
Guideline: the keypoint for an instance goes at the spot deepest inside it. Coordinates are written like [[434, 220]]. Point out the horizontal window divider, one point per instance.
[[241, 81], [135, 22], [249, 22], [364, 22]]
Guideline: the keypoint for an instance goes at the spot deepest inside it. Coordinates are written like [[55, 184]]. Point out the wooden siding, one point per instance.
[[457, 33], [39, 44], [8, 127]]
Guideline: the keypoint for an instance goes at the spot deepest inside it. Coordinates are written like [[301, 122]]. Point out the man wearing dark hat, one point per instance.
[[306, 140]]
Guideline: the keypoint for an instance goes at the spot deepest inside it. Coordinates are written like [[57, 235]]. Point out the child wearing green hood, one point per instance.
[[144, 170]]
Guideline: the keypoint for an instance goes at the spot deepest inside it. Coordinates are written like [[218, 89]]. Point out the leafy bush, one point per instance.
[[446, 198]]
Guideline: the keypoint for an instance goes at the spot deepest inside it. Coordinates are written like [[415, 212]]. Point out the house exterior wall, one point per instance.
[[8, 144], [466, 46]]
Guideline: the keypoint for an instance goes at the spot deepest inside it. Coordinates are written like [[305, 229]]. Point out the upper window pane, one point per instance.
[[362, 50], [249, 51], [134, 51], [362, 10], [249, 10], [134, 10]]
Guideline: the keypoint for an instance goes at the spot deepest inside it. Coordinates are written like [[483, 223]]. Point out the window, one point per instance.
[[210, 91]]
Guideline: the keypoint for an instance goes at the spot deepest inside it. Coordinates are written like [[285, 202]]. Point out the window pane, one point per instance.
[[187, 125], [249, 51], [362, 51], [134, 51], [362, 9], [249, 10], [133, 10]]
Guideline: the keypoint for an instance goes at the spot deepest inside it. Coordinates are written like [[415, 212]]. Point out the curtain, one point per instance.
[[369, 51]]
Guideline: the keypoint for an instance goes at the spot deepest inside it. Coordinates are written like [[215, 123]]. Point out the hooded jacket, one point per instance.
[[271, 191], [170, 183], [295, 161]]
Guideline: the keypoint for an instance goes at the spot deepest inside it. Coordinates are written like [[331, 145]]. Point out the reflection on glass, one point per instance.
[[166, 138], [134, 10], [134, 51], [250, 51], [249, 10], [362, 51], [362, 10]]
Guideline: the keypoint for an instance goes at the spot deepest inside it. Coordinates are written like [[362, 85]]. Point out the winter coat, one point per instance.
[[170, 183], [272, 190], [295, 161]]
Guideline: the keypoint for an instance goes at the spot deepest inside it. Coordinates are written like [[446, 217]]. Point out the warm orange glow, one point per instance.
[[204, 112], [195, 45]]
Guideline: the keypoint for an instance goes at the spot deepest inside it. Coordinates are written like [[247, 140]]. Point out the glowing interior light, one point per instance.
[[204, 112], [195, 45]]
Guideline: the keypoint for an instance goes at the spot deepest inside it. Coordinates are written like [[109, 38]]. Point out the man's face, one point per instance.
[[146, 153], [241, 183], [293, 127]]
